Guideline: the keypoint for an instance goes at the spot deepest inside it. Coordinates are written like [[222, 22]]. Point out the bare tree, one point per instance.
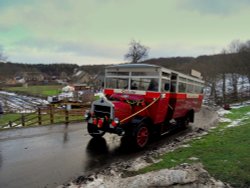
[[223, 73], [244, 53], [136, 52], [234, 48]]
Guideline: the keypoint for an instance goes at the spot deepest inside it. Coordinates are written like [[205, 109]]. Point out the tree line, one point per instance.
[[9, 70]]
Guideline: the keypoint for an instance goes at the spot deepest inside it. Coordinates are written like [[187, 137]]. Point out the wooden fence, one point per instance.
[[48, 115]]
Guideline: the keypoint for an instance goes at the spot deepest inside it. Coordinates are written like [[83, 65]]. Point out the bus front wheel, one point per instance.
[[94, 131], [141, 136]]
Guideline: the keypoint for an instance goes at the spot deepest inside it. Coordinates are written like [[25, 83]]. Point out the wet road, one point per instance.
[[52, 155]]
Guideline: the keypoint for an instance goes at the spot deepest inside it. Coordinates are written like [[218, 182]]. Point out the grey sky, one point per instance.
[[99, 31]]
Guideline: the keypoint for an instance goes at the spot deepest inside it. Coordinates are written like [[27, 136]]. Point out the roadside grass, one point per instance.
[[224, 152], [40, 90], [58, 118], [5, 118]]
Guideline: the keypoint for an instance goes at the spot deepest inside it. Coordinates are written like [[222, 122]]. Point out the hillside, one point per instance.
[[209, 66], [9, 70]]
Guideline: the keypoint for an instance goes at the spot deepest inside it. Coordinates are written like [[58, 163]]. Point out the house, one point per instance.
[[29, 77], [82, 77]]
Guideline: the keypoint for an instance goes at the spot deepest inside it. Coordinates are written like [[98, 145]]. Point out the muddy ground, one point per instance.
[[120, 173]]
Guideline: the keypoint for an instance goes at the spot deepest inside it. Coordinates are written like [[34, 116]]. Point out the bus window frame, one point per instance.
[[131, 78], [159, 74]]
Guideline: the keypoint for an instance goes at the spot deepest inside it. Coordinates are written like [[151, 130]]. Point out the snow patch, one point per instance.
[[238, 122], [237, 107], [7, 93], [223, 112], [193, 158], [235, 123], [184, 175], [99, 94], [185, 146], [226, 120], [13, 125]]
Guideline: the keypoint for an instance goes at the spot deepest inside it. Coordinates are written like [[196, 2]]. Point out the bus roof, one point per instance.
[[140, 65]]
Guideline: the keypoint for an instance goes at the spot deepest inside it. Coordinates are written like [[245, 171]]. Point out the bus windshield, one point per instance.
[[143, 84], [117, 83]]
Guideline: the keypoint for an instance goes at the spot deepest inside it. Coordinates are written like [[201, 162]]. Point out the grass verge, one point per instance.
[[224, 152]]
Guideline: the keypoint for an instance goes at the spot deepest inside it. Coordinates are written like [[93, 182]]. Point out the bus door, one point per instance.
[[173, 96]]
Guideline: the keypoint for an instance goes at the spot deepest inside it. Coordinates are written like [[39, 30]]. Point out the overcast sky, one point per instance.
[[99, 31]]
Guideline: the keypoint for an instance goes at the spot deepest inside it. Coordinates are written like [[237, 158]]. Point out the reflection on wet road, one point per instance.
[[50, 156]]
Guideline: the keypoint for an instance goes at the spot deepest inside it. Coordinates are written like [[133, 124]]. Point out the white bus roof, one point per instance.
[[139, 65], [150, 66]]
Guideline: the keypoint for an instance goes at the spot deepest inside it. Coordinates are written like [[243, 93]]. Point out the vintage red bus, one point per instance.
[[142, 99]]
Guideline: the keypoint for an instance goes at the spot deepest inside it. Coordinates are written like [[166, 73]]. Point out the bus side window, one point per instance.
[[134, 86], [166, 87], [153, 86]]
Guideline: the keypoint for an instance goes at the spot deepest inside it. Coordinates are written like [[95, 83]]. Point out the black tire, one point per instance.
[[94, 131], [141, 136], [185, 122]]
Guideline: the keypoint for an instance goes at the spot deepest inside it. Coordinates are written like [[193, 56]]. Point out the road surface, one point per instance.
[[52, 155]]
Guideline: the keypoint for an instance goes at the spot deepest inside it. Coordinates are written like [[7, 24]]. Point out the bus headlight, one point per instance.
[[87, 115], [115, 122]]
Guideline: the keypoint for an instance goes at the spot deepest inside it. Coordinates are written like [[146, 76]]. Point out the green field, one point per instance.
[[224, 152], [40, 90]]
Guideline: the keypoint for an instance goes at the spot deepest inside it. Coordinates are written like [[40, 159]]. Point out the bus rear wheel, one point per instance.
[[186, 121], [141, 136], [94, 131]]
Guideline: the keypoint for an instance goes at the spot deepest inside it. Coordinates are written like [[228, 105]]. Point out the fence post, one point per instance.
[[39, 116], [66, 117], [23, 120], [51, 114], [10, 123]]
